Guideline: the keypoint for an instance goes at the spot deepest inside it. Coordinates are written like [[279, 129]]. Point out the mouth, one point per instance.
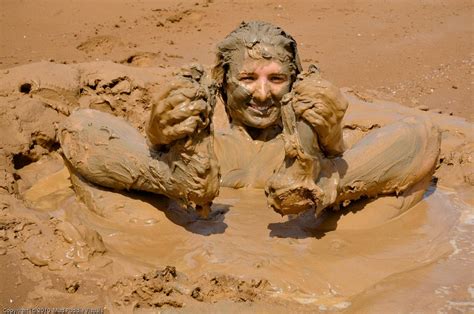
[[261, 109]]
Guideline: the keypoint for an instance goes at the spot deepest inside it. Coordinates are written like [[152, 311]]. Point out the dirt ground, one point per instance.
[[419, 54]]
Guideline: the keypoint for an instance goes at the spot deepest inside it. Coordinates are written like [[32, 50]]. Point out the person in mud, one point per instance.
[[285, 136]]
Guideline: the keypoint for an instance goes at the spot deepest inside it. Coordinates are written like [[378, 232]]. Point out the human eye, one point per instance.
[[278, 78], [247, 77]]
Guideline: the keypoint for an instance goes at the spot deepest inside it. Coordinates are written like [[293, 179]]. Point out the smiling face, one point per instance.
[[254, 89]]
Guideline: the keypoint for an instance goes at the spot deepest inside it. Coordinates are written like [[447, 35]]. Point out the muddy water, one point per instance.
[[333, 262], [361, 260]]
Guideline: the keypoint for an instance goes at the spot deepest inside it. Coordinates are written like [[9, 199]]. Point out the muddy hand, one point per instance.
[[181, 119], [292, 188], [322, 105], [180, 109]]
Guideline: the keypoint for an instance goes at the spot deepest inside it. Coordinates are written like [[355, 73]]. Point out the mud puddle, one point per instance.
[[341, 261]]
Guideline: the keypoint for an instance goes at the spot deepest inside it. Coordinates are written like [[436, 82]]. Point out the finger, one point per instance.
[[329, 101], [177, 107], [185, 128], [322, 105], [185, 110], [175, 100], [164, 106], [166, 89], [325, 111], [187, 91], [301, 106], [180, 82], [316, 120]]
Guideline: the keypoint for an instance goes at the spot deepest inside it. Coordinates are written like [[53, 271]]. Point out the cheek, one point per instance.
[[239, 93], [279, 90]]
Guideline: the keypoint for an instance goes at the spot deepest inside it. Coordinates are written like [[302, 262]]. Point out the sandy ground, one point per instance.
[[417, 54]]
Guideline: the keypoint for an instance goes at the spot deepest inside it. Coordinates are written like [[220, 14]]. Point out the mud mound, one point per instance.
[[52, 243], [167, 287], [35, 98], [142, 59], [101, 44]]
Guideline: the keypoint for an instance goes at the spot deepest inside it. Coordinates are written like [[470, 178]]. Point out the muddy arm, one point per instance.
[[322, 106], [292, 189], [109, 152], [312, 129]]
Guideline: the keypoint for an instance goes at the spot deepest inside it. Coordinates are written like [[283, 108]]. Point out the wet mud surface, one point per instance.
[[117, 254]]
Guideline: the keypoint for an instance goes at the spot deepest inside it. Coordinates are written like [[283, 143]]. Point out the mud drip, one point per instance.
[[292, 188]]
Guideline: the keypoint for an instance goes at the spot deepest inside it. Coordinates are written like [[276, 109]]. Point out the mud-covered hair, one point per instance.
[[253, 36]]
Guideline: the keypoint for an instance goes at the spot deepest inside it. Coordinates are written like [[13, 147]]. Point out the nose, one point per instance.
[[262, 91]]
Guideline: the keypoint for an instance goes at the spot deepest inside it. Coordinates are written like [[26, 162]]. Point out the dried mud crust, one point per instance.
[[457, 165], [167, 287], [52, 243], [36, 98], [45, 259]]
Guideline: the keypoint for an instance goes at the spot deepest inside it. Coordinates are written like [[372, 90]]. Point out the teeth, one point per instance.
[[262, 108]]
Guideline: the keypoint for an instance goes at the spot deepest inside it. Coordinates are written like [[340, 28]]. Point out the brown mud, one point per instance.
[[95, 248], [124, 250]]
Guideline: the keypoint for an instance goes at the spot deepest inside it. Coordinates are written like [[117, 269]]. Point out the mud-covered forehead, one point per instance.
[[258, 50], [240, 58], [256, 40]]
